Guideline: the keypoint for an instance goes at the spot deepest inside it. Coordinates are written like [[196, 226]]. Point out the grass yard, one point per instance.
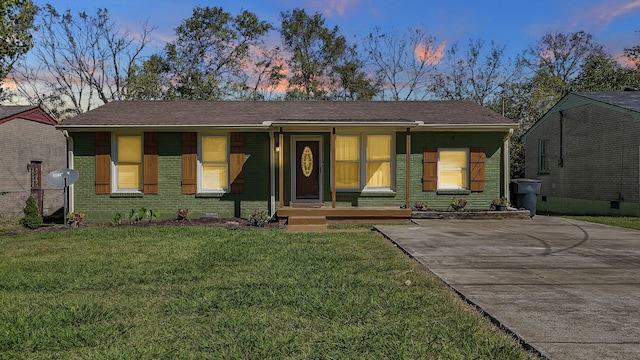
[[201, 292], [625, 222]]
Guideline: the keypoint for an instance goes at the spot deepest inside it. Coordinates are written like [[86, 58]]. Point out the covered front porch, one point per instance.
[[306, 193]]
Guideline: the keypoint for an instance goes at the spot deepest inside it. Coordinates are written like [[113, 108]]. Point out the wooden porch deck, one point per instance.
[[309, 218]]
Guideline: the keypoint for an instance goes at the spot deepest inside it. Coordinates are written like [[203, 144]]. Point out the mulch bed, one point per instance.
[[228, 223]]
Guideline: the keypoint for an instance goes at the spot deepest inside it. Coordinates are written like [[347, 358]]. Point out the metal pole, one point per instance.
[[66, 224]]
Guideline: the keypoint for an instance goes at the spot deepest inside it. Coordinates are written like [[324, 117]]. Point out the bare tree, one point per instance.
[[403, 63], [477, 73], [632, 54], [81, 61], [265, 78]]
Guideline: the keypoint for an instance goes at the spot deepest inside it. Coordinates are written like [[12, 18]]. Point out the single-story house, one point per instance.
[[30, 148], [586, 153], [232, 158]]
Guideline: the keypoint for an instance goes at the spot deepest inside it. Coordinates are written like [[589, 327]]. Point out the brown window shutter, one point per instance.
[[476, 162], [236, 163], [103, 162], [150, 162], [429, 169], [189, 163]]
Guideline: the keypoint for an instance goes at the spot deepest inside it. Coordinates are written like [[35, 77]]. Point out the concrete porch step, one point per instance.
[[307, 224]]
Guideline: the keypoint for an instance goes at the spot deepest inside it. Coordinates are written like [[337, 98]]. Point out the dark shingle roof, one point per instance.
[[257, 113], [624, 99], [8, 111]]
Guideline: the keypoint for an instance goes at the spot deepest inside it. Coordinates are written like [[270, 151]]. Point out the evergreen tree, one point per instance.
[[32, 218]]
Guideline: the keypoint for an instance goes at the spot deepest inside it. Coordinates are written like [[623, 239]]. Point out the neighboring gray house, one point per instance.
[[30, 148], [586, 152]]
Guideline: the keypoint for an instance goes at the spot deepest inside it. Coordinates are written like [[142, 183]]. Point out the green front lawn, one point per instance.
[[202, 292]]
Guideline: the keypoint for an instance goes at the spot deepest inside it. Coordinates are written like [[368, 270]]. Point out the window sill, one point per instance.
[[210, 195], [453, 192], [124, 195], [380, 193]]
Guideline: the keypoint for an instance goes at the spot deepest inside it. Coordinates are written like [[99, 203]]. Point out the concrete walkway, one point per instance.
[[569, 289]]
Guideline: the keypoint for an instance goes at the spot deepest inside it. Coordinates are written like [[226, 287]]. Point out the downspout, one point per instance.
[[70, 193], [506, 165], [561, 161], [407, 202], [281, 169], [272, 174], [333, 168]]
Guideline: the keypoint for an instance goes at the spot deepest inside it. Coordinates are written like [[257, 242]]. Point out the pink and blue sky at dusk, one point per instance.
[[513, 23]]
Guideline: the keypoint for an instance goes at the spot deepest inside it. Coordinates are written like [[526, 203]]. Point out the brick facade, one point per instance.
[[594, 159], [257, 177], [21, 142], [170, 198]]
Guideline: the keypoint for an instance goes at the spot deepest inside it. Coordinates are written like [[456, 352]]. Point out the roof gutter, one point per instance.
[[402, 123], [85, 128], [469, 127]]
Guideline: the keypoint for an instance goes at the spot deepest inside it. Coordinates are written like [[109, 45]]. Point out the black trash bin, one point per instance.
[[524, 193]]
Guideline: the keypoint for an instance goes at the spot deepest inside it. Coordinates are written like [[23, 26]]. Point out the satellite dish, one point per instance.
[[62, 177]]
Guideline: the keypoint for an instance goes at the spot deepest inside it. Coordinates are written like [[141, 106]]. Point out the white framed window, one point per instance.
[[127, 163], [453, 169], [378, 149], [213, 163], [364, 162], [543, 156], [347, 162]]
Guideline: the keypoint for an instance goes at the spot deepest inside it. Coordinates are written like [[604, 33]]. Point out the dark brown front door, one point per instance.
[[307, 170]]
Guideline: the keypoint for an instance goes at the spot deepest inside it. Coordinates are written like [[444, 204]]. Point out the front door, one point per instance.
[[307, 171]]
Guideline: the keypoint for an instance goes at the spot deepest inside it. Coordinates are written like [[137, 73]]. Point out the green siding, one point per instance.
[[492, 142], [257, 175], [170, 197]]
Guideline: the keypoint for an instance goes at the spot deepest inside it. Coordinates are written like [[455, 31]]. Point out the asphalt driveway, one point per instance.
[[569, 289]]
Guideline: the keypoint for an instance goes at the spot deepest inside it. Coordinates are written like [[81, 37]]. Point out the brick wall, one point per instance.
[[170, 197], [23, 141], [600, 155], [492, 142], [257, 177]]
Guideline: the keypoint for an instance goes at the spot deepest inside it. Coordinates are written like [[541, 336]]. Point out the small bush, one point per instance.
[[116, 220], [499, 204], [182, 214], [458, 204], [421, 206], [142, 214], [32, 218], [259, 218], [75, 219]]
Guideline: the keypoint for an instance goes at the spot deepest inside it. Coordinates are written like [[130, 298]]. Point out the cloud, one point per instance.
[[625, 61], [606, 13], [331, 8], [429, 54], [8, 83]]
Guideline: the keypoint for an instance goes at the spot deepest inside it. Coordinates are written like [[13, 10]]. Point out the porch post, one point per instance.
[[506, 164], [70, 165], [408, 170], [272, 173], [280, 169], [333, 168]]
